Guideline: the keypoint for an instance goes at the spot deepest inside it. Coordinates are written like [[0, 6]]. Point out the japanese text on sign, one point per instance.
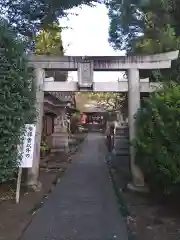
[[28, 146]]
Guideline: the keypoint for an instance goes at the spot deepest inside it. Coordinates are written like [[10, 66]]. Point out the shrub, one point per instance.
[[17, 99], [157, 141]]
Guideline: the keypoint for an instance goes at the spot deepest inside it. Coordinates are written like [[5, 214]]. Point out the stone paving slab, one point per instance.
[[83, 205]]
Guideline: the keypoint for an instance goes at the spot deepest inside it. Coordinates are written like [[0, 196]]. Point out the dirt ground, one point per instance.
[[14, 218], [148, 217]]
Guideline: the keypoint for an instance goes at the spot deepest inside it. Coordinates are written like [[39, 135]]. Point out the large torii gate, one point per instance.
[[85, 66]]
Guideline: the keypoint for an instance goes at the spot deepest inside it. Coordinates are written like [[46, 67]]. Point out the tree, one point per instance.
[[108, 100], [144, 29], [157, 140], [131, 20], [17, 99], [157, 40], [30, 16], [49, 42], [147, 28]]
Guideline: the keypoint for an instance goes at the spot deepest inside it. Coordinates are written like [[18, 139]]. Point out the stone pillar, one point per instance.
[[60, 135], [58, 122], [133, 105], [33, 173]]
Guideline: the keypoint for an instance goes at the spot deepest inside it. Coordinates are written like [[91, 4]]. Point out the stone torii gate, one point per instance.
[[85, 66]]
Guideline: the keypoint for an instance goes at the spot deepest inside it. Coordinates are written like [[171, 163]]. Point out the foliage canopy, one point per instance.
[[30, 16], [49, 41], [146, 27]]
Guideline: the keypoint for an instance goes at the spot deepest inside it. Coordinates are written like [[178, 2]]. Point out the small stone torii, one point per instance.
[[85, 66]]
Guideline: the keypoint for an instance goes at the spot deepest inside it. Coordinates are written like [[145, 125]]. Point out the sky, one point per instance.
[[87, 35]]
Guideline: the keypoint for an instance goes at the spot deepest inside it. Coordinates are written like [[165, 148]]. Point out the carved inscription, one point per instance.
[[85, 73]]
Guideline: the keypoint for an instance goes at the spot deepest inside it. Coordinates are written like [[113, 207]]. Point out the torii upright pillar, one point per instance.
[[33, 173], [133, 106]]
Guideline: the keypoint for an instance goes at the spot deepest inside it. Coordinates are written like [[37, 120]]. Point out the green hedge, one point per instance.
[[17, 98], [158, 140]]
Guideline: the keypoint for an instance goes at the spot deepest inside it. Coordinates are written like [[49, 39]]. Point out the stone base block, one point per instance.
[[134, 188]]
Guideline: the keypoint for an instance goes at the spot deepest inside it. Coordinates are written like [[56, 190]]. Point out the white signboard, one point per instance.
[[27, 149]]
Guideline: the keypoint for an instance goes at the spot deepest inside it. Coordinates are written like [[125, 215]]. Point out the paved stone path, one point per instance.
[[83, 205]]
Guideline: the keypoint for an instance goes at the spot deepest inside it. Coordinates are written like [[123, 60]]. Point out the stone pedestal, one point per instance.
[[60, 137], [60, 141]]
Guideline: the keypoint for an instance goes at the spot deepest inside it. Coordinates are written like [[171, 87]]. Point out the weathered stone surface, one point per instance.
[[121, 86], [155, 61]]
